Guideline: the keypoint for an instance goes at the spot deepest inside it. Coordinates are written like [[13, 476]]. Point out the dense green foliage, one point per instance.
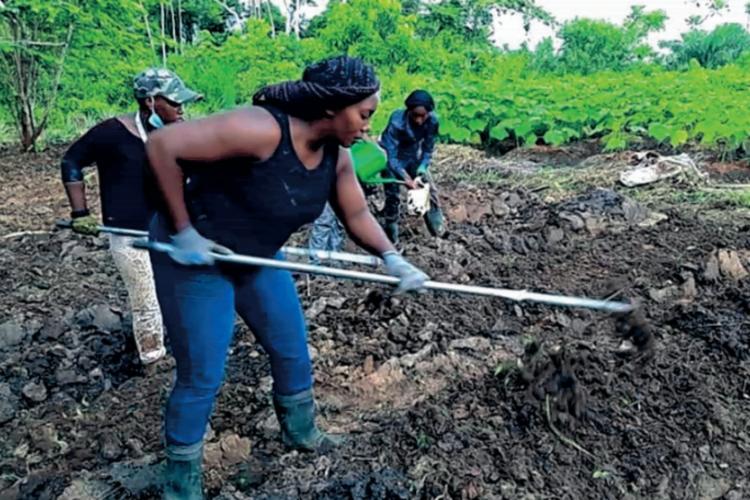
[[722, 46], [589, 45], [603, 82], [669, 107]]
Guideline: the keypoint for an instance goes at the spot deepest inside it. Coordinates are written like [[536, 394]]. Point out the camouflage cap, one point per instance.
[[162, 82]]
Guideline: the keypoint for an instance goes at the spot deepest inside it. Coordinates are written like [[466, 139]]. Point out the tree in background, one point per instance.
[[173, 24], [373, 29], [462, 21], [711, 8], [35, 38], [590, 45], [68, 59], [72, 63], [471, 20], [724, 45], [295, 20]]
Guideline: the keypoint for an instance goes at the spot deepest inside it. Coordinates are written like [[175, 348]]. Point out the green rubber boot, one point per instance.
[[435, 222], [183, 475], [296, 416]]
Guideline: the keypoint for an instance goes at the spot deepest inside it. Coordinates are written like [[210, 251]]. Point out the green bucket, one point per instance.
[[369, 162]]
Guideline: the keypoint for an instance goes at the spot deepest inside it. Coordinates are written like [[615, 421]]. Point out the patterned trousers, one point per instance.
[[135, 269]]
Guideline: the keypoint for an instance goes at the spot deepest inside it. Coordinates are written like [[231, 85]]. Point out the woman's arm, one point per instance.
[[350, 205], [81, 154], [428, 146], [389, 142]]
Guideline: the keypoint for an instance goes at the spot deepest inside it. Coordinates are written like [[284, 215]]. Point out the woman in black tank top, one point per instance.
[[244, 181]]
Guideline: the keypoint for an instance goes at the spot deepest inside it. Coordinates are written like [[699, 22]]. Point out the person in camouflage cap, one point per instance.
[[128, 198], [163, 93]]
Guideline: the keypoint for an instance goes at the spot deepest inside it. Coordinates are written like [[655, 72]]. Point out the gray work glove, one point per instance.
[[192, 249], [412, 279]]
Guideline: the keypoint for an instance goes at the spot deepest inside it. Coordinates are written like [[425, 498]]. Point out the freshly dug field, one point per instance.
[[442, 396]]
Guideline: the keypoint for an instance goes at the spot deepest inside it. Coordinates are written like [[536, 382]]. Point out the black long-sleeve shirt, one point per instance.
[[127, 196]]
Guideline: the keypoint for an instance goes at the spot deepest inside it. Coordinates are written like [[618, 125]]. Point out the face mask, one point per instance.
[[155, 120]]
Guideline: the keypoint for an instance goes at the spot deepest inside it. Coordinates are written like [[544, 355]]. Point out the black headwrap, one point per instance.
[[330, 84], [420, 98]]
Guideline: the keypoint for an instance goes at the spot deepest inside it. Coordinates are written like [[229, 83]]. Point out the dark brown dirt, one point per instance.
[[443, 396], [734, 172]]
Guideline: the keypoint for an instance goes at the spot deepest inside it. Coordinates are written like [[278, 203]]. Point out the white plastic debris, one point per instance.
[[652, 167], [418, 200]]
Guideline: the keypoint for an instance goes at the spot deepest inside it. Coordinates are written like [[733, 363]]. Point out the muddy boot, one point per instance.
[[183, 475], [435, 222], [296, 416], [391, 230]]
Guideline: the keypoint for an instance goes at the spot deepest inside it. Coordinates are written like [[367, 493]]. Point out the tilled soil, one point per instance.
[[442, 396]]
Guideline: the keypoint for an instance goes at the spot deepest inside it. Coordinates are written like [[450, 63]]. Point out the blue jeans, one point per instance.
[[198, 306]]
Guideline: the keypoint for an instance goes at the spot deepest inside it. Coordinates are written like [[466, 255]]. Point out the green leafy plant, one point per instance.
[[604, 83]]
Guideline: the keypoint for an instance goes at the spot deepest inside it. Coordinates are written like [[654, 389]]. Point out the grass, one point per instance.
[[558, 183], [739, 198], [7, 132], [708, 197], [484, 177], [423, 441]]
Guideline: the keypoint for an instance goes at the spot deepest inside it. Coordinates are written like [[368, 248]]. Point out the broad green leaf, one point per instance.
[[554, 137], [460, 134], [658, 131], [678, 138], [499, 133], [477, 124], [530, 140], [615, 142], [523, 129]]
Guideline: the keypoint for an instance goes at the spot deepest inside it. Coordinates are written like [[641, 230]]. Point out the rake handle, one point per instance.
[[515, 295], [354, 258]]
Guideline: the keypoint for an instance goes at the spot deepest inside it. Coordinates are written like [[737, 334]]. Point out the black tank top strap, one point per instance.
[[283, 120], [286, 148], [332, 151]]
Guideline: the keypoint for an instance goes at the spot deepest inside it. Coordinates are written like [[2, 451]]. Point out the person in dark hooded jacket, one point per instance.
[[409, 140]]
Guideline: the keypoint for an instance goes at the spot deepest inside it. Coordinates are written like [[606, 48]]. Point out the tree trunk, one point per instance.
[[232, 12], [55, 88], [297, 17], [163, 45], [180, 26], [25, 81], [174, 24], [270, 19], [21, 81], [288, 20], [148, 27]]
